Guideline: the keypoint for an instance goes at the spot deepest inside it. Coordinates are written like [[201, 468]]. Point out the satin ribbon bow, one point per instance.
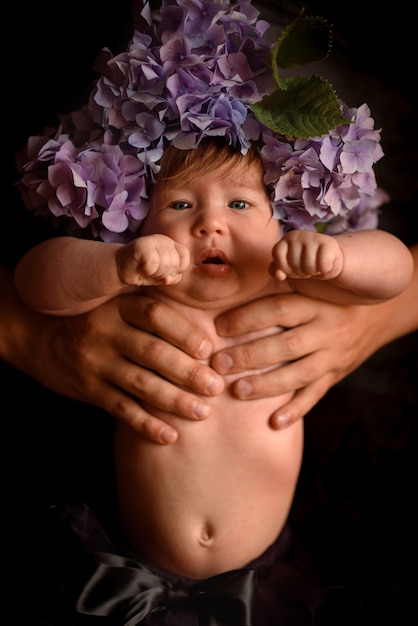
[[130, 592]]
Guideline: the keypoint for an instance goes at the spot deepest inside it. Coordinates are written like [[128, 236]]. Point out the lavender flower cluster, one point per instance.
[[327, 183], [192, 70]]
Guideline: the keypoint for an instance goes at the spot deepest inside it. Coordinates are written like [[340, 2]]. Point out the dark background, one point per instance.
[[355, 506]]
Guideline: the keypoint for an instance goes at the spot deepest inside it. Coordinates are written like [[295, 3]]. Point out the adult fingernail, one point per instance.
[[244, 388], [224, 362], [201, 410], [283, 420], [215, 385], [222, 325], [168, 435], [204, 349]]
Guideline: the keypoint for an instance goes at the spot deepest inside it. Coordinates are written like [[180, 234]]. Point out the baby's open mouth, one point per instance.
[[215, 260], [214, 263]]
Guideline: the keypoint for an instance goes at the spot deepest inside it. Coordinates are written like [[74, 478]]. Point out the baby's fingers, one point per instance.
[[280, 267], [295, 260], [167, 266], [172, 279], [183, 257]]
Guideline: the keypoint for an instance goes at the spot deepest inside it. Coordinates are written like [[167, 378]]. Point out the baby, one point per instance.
[[220, 495]]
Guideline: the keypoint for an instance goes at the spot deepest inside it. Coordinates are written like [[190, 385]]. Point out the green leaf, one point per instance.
[[321, 227], [308, 107], [305, 40]]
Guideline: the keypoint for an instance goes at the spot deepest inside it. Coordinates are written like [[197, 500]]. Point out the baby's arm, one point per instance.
[[69, 276], [361, 267]]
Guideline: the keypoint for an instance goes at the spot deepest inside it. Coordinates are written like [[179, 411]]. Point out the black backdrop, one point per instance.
[[355, 504]]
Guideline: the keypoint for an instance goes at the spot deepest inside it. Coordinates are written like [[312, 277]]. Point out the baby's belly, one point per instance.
[[218, 497]]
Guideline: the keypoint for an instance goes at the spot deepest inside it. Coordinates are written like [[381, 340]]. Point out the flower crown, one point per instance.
[[195, 69]]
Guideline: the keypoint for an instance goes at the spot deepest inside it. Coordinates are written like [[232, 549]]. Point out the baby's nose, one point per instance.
[[211, 220]]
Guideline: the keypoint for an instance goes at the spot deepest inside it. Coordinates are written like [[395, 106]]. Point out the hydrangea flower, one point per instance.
[[194, 69], [326, 182]]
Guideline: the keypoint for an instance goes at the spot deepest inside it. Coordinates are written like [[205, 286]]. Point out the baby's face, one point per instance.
[[222, 202], [225, 219]]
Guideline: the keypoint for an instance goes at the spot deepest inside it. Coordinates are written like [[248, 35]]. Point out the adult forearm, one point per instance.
[[16, 322]]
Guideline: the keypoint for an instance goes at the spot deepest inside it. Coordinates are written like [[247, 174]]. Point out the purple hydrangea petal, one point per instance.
[[357, 156]]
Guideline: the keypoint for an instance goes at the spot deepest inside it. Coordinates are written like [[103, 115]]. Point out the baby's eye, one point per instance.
[[181, 205], [238, 204]]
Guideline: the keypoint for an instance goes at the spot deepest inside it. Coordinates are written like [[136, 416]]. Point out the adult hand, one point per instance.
[[130, 348], [313, 359], [103, 357], [323, 343]]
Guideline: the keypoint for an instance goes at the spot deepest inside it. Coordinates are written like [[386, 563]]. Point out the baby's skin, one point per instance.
[[220, 495]]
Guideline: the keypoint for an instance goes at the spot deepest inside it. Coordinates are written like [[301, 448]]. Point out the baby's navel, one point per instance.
[[206, 536]]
